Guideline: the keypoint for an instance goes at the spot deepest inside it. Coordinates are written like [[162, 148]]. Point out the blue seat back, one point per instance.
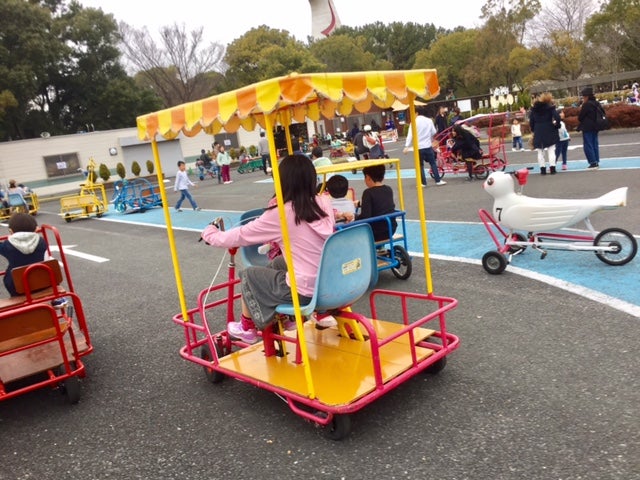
[[16, 200], [249, 254], [348, 268]]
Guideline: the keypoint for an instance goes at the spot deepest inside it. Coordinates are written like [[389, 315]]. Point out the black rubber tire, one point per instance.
[[71, 386], [494, 262], [67, 218], [626, 243], [403, 271], [497, 164], [437, 366], [518, 237], [339, 428], [440, 171], [481, 172], [212, 375]]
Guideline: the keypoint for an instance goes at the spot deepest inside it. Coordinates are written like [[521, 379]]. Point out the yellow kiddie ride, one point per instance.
[[92, 199], [324, 375]]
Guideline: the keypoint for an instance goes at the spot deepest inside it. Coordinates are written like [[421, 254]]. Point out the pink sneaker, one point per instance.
[[289, 324], [564, 166], [248, 336]]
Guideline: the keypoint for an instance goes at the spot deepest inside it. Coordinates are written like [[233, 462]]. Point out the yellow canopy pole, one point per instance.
[[423, 218], [286, 114], [167, 219], [289, 259]]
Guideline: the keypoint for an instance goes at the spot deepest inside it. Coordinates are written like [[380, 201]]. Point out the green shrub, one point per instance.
[[135, 168], [120, 170], [104, 172], [150, 167], [253, 150], [233, 153]]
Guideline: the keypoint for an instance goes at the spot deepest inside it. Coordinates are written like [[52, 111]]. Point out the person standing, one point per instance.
[[359, 147], [441, 120], [426, 130], [224, 161], [182, 185], [563, 144], [588, 125], [263, 151], [545, 122], [516, 135], [456, 116]]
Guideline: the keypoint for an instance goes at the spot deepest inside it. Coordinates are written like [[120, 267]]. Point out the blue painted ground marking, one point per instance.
[[579, 272]]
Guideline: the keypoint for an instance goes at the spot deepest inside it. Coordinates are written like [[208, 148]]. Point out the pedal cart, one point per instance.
[[519, 222], [91, 201], [323, 375], [491, 130], [43, 330], [135, 195]]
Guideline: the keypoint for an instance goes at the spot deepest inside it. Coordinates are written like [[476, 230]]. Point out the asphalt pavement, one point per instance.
[[544, 385]]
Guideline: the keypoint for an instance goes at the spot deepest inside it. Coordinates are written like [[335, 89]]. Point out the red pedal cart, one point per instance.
[[43, 331], [324, 375]]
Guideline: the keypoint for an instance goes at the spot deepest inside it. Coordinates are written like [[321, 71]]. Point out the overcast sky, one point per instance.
[[227, 20]]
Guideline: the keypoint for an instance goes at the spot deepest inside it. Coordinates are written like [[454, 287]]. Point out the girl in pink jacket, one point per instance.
[[309, 221]]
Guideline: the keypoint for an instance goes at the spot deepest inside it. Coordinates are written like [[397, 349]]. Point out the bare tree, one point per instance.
[[565, 16], [180, 69]]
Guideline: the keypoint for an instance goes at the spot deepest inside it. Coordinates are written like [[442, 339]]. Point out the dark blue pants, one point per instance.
[[428, 155], [591, 147]]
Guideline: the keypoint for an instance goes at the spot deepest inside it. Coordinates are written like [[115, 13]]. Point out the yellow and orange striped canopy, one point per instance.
[[291, 98]]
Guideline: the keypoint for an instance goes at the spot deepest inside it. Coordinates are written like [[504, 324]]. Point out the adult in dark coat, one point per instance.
[[545, 122], [589, 127]]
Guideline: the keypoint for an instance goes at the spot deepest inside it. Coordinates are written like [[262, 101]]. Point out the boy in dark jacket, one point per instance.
[[545, 122], [23, 246]]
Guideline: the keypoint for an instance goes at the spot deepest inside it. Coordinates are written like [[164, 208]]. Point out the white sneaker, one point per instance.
[[324, 321], [441, 182]]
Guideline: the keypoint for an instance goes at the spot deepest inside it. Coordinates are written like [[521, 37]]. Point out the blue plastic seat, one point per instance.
[[348, 268], [17, 202], [249, 254]]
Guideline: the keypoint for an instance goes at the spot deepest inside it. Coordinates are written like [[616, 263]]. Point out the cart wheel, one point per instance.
[[516, 237], [440, 171], [403, 270], [67, 218], [99, 214], [436, 367], [625, 245], [71, 386], [494, 262], [339, 427], [497, 164], [212, 375], [481, 172]]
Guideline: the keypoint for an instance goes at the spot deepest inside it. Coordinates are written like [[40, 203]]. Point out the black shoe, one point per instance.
[[593, 166], [469, 179], [543, 170], [552, 170]]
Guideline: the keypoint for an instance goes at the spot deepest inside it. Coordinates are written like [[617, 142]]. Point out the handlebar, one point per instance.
[[218, 223]]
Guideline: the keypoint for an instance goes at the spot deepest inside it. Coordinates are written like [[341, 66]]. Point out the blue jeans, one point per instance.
[[561, 151], [517, 143], [185, 194], [591, 147], [428, 155]]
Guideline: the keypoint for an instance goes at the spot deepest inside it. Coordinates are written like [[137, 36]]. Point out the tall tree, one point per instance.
[[181, 68], [614, 33], [57, 60], [263, 53], [342, 53], [511, 16]]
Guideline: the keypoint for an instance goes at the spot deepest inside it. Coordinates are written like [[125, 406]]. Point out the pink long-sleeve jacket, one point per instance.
[[307, 240]]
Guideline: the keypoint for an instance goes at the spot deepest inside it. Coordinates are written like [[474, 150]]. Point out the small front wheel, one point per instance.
[[494, 262], [339, 427], [480, 171], [623, 243], [404, 268], [515, 237], [205, 354]]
